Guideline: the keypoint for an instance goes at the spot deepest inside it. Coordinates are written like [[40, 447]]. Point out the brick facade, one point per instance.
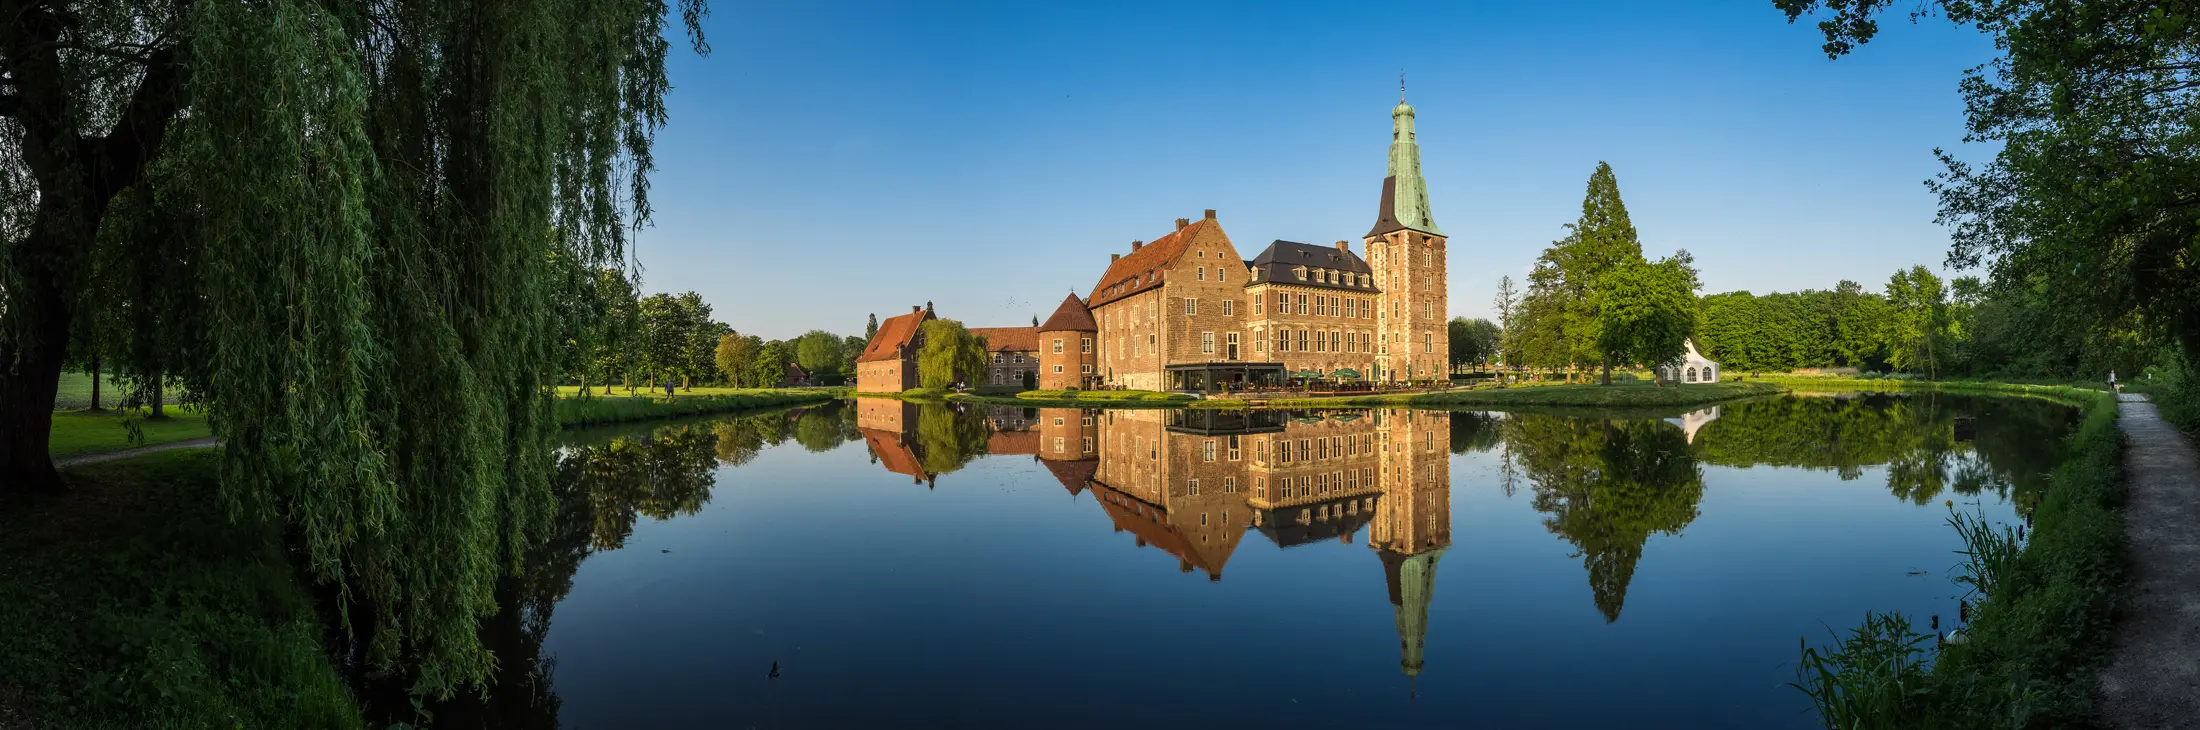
[[889, 361]]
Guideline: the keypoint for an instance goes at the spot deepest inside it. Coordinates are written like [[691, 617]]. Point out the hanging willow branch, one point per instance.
[[391, 199]]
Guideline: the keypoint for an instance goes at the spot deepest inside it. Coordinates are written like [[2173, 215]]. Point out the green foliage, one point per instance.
[[1473, 342], [1874, 678], [1917, 332], [622, 409], [733, 355], [1606, 487], [1647, 311], [823, 353], [769, 367], [950, 355], [1563, 305], [141, 604], [2034, 640], [948, 440]]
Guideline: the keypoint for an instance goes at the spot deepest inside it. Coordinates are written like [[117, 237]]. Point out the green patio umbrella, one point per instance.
[[1345, 373], [1308, 374]]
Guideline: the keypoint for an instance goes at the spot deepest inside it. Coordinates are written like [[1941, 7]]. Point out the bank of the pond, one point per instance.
[[78, 433], [134, 601], [598, 409], [1618, 395], [2030, 655]]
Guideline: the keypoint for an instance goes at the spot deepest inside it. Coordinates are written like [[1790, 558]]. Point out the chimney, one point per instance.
[[1113, 256], [914, 309], [1136, 244], [1344, 246], [1182, 222], [1210, 214]]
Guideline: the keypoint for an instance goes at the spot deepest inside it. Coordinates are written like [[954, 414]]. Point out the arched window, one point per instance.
[[1691, 375], [1707, 376]]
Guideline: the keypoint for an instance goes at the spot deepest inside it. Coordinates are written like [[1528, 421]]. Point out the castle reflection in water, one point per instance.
[[1194, 483]]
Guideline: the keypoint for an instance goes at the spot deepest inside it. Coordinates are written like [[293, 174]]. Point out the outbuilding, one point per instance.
[[1691, 367]]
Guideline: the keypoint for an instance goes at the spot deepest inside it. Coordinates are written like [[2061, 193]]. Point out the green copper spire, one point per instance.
[[1412, 581], [1405, 196]]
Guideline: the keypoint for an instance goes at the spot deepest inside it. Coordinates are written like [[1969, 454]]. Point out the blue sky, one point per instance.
[[830, 160]]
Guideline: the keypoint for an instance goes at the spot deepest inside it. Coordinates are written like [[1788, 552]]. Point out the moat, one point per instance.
[[923, 566]]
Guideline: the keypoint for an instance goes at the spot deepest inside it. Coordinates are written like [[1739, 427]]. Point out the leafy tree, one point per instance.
[[733, 355], [380, 200], [950, 355], [870, 331], [769, 368], [1647, 312], [821, 353], [1473, 342], [1504, 302], [2089, 197], [1569, 273], [1917, 331]]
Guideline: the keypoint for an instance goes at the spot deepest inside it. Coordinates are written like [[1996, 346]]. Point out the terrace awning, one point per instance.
[[1346, 373]]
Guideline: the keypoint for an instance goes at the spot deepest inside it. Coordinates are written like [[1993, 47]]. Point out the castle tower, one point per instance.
[[1412, 525], [1406, 250]]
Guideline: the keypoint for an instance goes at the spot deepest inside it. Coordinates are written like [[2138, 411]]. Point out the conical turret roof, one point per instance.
[[1072, 316]]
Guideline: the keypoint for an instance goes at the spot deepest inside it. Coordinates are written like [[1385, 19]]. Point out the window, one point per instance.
[[1207, 343], [1149, 342], [1302, 303], [1260, 486], [1057, 368], [1058, 444], [1207, 450], [1191, 306], [1428, 342], [1302, 340], [1192, 489], [1428, 309], [1257, 302], [1299, 272], [1232, 340], [1087, 344], [1057, 346], [1202, 270], [1019, 358], [1086, 368], [1283, 340], [1226, 307], [1218, 273], [1228, 481], [1202, 515]]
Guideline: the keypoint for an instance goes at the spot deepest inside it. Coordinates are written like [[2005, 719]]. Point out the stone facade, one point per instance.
[[1407, 252], [1069, 347], [1313, 308], [1012, 356], [1176, 301]]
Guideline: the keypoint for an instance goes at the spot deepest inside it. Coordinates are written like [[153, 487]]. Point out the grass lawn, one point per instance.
[[598, 409], [1616, 395], [132, 601], [76, 392], [76, 433]]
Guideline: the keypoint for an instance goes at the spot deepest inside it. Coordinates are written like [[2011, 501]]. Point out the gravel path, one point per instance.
[[197, 443], [2153, 674]]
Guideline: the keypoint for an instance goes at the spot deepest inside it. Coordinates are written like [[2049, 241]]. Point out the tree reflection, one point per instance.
[[949, 438], [1606, 487], [2018, 441]]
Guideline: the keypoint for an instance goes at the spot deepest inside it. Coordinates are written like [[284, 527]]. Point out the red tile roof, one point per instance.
[[892, 453], [1072, 474], [1008, 339], [1072, 316], [892, 334], [1141, 270]]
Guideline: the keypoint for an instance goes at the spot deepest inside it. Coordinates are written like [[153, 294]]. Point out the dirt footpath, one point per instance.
[[2153, 674]]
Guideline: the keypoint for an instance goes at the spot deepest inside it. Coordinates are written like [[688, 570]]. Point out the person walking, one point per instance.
[[2112, 382]]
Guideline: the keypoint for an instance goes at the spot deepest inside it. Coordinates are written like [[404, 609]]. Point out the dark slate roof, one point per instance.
[[1276, 264], [1072, 316]]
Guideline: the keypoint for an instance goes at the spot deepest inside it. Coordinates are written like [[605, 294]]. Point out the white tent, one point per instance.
[[1691, 367]]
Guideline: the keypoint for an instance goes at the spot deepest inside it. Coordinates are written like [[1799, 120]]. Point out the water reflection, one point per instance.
[[1196, 485]]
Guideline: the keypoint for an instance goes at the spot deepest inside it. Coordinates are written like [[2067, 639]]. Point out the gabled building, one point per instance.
[[889, 362], [1171, 313]]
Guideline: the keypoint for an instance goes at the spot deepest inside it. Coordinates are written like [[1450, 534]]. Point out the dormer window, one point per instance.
[[1299, 271]]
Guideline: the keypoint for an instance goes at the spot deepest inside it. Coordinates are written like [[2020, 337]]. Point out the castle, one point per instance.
[[1187, 313]]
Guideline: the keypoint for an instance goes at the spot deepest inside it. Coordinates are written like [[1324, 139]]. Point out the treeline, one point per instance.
[[645, 342], [1918, 323]]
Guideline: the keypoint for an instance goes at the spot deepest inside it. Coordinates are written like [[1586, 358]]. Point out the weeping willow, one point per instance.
[[390, 202]]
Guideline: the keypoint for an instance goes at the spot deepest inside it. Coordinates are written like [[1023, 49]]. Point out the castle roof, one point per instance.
[[1405, 194], [893, 453], [1279, 262], [1072, 316], [1072, 474], [893, 334], [1142, 269], [1009, 339]]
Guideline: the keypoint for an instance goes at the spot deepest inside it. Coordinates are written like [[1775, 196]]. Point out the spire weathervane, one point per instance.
[[1401, 87]]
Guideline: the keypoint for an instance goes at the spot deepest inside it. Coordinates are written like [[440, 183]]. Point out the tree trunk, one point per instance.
[[30, 374], [95, 383], [159, 394], [1607, 369]]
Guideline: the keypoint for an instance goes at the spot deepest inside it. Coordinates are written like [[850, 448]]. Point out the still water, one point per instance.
[[910, 566]]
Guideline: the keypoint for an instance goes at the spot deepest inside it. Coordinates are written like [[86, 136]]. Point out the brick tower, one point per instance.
[[1406, 250]]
